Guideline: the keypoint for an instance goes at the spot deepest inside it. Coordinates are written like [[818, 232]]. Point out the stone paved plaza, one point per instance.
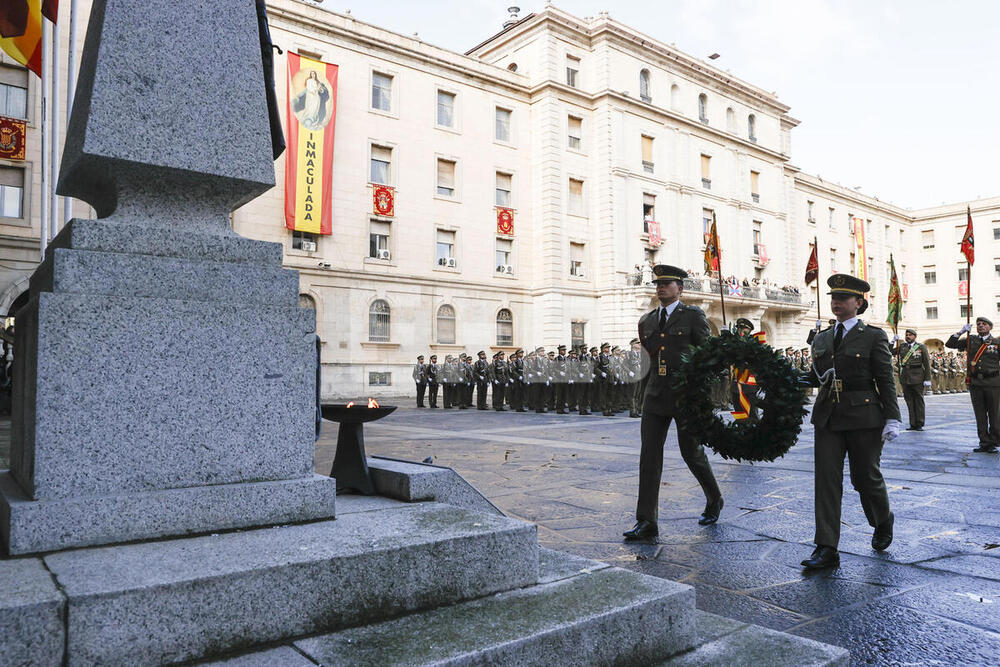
[[932, 598]]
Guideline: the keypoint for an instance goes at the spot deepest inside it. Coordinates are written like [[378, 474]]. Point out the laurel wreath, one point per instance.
[[781, 409]]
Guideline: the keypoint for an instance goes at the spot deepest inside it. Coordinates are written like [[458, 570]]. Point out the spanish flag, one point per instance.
[[21, 29]]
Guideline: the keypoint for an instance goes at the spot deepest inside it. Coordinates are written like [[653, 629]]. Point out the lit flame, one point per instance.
[[372, 403], [351, 404]]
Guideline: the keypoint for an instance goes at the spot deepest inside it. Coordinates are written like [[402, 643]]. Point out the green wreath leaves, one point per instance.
[[781, 409]]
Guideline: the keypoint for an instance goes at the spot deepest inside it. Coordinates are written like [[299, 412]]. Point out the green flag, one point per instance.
[[895, 297]]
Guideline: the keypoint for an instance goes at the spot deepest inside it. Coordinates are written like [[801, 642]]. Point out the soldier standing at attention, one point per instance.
[[467, 382], [498, 378], [480, 371], [433, 373], [936, 375], [665, 333], [420, 377], [984, 382], [635, 373], [855, 413], [602, 379], [914, 376], [517, 377], [585, 380], [560, 381]]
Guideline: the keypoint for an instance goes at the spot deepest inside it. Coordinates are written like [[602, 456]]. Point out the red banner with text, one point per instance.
[[310, 116]]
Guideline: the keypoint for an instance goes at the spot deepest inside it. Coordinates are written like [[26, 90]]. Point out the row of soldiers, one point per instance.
[[604, 380]]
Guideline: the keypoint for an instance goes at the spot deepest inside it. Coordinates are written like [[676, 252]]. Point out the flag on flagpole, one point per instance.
[[712, 252], [21, 30], [812, 267], [968, 245], [895, 297]]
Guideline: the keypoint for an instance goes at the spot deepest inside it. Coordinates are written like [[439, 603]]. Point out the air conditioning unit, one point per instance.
[[452, 263], [507, 268], [442, 261], [383, 254], [579, 273], [500, 268], [309, 246]]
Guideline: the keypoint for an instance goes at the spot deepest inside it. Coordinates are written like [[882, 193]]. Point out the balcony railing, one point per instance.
[[704, 285]]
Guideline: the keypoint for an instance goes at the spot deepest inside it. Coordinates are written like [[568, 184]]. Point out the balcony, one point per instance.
[[702, 290], [706, 183]]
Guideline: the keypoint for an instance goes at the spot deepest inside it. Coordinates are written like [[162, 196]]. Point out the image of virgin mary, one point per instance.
[[310, 104]]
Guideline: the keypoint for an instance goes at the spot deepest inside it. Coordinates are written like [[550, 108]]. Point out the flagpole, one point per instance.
[[70, 91], [718, 254], [54, 130], [43, 230], [819, 314]]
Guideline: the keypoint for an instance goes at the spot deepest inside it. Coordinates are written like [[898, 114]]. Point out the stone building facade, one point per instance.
[[587, 130]]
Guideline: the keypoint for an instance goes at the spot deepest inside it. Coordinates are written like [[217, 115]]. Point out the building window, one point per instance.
[[647, 154], [996, 233], [503, 124], [503, 189], [446, 325], [927, 239], [381, 165], [446, 248], [379, 379], [755, 186], [965, 310], [833, 260], [575, 133], [644, 93], [14, 92], [505, 328], [381, 92], [703, 108], [963, 273], [706, 172], [809, 211], [505, 256], [576, 259], [931, 310], [831, 212], [996, 266], [11, 192], [572, 70], [378, 239], [575, 196], [577, 334], [304, 241], [706, 222], [378, 322], [446, 109], [757, 238], [930, 275], [446, 178], [752, 128], [730, 120], [648, 211]]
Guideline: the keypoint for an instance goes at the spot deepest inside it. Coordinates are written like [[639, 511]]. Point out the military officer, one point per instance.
[[856, 411], [468, 381], [517, 387], [984, 380], [420, 378], [498, 375], [665, 333], [559, 381], [585, 381], [635, 369], [914, 376], [433, 374], [479, 372], [936, 375], [602, 380]]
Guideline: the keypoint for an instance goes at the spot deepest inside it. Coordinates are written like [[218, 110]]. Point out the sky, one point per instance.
[[898, 97]]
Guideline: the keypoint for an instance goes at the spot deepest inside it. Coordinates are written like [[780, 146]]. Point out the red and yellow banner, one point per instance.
[[653, 233], [505, 221], [860, 249], [383, 200], [310, 116], [12, 133], [21, 30]]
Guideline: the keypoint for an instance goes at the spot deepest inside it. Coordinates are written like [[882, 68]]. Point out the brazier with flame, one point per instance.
[[350, 464]]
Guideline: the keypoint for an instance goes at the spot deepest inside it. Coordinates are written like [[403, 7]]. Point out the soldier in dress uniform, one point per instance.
[[936, 374], [450, 378], [517, 387], [602, 379], [955, 373], [468, 381], [433, 373], [480, 371], [559, 381], [665, 333], [634, 361], [914, 376], [585, 380], [499, 375], [539, 378], [572, 369], [855, 413], [984, 380], [420, 378]]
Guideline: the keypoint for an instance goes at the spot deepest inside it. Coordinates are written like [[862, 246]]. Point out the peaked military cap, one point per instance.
[[518, 351], [605, 345], [842, 283], [744, 322], [912, 331], [593, 349], [480, 352], [983, 319], [561, 348], [539, 349], [664, 273], [616, 349], [633, 341]]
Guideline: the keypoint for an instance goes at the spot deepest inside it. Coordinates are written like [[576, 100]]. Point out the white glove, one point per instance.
[[761, 394], [966, 328], [895, 337], [891, 430], [819, 324], [927, 383]]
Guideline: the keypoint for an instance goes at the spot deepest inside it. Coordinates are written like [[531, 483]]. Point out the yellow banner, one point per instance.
[[860, 249]]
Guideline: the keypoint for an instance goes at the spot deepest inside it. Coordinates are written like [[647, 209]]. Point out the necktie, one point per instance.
[[839, 336], [663, 318]]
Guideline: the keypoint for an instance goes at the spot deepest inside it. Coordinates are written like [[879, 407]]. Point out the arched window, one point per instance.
[[378, 322], [505, 328], [644, 93], [675, 96], [703, 108], [446, 325], [752, 127], [730, 120]]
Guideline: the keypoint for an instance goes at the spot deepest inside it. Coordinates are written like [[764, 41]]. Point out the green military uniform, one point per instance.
[[984, 387], [852, 365], [499, 375], [914, 371]]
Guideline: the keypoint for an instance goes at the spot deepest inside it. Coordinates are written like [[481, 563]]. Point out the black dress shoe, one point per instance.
[[584, 412], [712, 511], [918, 428], [988, 449], [822, 557], [883, 534], [633, 414], [642, 530]]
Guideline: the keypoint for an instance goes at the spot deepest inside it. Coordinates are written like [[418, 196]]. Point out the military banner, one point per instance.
[[860, 249], [12, 133], [310, 116]]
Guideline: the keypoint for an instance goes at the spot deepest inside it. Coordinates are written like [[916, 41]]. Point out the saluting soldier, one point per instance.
[[665, 333], [855, 413], [433, 373], [499, 375], [420, 378], [984, 380], [914, 376]]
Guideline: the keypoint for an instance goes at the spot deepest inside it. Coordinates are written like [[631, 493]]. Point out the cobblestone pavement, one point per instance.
[[932, 598]]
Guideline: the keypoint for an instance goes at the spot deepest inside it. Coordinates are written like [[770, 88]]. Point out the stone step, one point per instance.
[[611, 616], [186, 599]]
